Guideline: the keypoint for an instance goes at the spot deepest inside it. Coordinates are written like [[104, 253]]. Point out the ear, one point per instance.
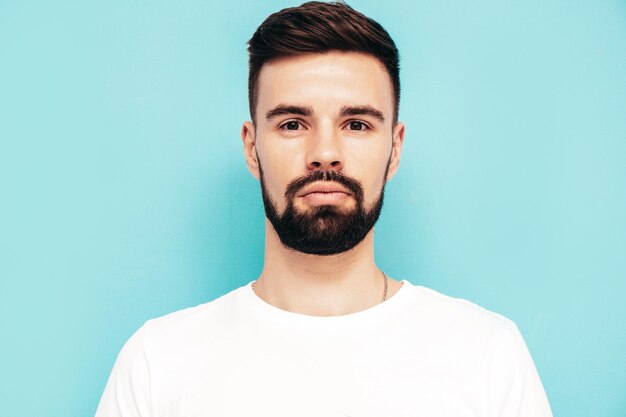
[[396, 149], [248, 138]]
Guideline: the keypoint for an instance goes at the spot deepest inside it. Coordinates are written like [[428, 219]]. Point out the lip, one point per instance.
[[326, 187]]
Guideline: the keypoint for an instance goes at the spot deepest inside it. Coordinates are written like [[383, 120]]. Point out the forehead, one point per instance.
[[325, 82]]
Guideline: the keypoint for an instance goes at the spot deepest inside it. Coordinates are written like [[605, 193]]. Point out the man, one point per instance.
[[322, 331]]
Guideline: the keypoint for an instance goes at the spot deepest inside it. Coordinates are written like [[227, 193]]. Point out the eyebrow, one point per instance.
[[362, 111], [282, 110]]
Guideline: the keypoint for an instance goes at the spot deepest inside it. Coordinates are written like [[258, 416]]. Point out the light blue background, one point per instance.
[[124, 194]]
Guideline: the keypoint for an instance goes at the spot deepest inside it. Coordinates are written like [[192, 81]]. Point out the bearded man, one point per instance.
[[323, 331]]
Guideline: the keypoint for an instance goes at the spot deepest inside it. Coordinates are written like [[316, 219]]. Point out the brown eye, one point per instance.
[[357, 126]]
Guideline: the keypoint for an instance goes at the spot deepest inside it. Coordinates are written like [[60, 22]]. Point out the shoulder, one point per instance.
[[458, 309], [189, 325], [457, 319], [199, 312], [490, 346]]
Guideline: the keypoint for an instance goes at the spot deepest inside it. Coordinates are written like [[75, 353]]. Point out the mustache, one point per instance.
[[335, 176]]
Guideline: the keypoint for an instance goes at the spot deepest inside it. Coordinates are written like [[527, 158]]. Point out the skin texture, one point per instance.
[[324, 111]]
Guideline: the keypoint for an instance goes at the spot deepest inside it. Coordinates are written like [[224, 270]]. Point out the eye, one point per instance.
[[357, 125], [290, 125]]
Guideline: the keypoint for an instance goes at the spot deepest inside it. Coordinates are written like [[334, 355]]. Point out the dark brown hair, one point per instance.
[[320, 27]]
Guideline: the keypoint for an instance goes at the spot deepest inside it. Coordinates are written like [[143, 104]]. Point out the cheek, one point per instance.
[[373, 189], [275, 180], [275, 190], [373, 174], [281, 162]]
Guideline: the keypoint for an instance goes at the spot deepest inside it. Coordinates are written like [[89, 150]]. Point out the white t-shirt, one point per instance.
[[419, 353]]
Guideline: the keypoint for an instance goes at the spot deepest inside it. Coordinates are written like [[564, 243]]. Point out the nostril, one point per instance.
[[317, 165]]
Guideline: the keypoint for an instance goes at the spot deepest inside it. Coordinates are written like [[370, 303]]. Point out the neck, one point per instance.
[[321, 285]]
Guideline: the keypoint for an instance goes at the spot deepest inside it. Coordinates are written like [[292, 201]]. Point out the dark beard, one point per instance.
[[322, 230]]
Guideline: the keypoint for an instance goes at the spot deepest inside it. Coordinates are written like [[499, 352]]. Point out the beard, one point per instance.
[[326, 229]]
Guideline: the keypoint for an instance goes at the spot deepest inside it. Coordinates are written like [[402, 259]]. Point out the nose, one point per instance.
[[324, 151]]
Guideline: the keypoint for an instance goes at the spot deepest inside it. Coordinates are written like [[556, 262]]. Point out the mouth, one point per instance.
[[324, 193], [323, 188]]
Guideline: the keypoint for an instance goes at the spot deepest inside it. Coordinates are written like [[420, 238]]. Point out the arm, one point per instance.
[[127, 393], [514, 388]]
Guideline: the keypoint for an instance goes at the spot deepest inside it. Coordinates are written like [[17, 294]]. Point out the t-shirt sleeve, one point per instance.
[[514, 388], [127, 393]]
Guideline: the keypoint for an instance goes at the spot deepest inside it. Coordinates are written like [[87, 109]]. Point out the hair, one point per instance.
[[315, 27]]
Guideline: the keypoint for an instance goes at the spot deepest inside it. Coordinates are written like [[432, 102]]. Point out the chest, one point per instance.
[[322, 378]]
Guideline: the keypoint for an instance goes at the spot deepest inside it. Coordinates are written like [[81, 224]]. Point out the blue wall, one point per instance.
[[124, 194]]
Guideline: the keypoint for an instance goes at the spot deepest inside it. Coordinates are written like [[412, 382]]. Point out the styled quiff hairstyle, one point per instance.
[[317, 27]]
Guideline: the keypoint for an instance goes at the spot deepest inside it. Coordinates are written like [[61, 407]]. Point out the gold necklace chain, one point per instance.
[[384, 291]]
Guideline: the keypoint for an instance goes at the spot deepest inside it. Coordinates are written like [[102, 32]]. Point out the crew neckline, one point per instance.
[[262, 308]]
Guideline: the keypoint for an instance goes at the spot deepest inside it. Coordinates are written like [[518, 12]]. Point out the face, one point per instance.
[[323, 145]]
